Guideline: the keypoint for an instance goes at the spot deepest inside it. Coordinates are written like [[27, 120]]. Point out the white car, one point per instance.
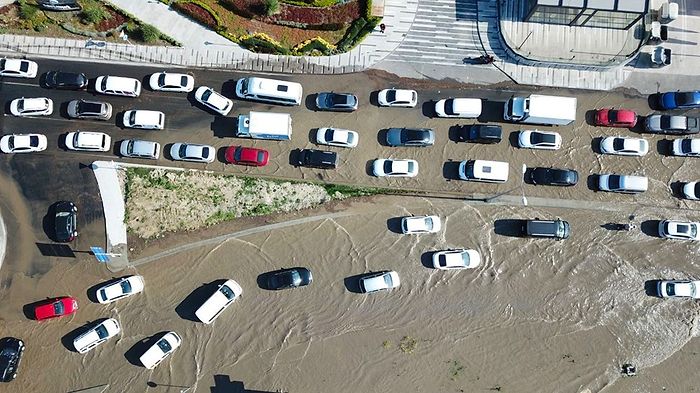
[[456, 259], [213, 100], [623, 146], [192, 152], [226, 294], [39, 106], [679, 230], [374, 282], [88, 141], [458, 107], [137, 148], [679, 288], [165, 81], [398, 97], [691, 190], [23, 143], [145, 120], [420, 224], [160, 350], [98, 334], [124, 287], [336, 137], [18, 68], [394, 168], [686, 147], [535, 139]]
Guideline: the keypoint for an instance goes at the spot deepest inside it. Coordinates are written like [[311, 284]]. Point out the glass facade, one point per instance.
[[566, 12]]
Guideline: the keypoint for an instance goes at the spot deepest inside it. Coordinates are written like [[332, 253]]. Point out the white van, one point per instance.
[[269, 90], [147, 120], [625, 184], [226, 294], [458, 107], [118, 86], [485, 171]]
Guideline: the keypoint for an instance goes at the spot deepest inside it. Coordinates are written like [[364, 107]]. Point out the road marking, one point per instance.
[[20, 84]]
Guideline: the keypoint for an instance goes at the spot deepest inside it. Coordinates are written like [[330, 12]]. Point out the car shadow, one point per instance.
[[187, 307], [312, 135], [221, 154], [224, 127], [119, 119], [47, 222], [653, 101], [677, 189], [133, 354], [663, 147], [228, 89], [491, 111], [592, 182], [352, 283], [62, 142], [651, 288], [595, 145], [513, 139], [369, 168], [67, 339], [63, 110], [166, 151], [508, 227], [650, 228], [589, 116], [428, 109], [310, 102], [454, 133], [394, 224], [374, 98], [117, 147], [426, 259], [381, 137], [450, 170]]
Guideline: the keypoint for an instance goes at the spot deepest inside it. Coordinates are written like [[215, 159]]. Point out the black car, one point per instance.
[[341, 102], [480, 133], [66, 221], [317, 159], [59, 5], [66, 80], [289, 278], [410, 137], [11, 350], [553, 176]]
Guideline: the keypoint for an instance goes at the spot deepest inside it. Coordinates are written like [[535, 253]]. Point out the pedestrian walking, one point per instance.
[[382, 27]]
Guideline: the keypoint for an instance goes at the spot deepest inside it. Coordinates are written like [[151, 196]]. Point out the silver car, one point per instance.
[[83, 109], [137, 148]]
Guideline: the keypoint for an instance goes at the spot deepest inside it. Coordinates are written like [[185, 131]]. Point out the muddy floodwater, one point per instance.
[[535, 316]]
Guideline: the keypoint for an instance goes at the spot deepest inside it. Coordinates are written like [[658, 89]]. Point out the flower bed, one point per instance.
[[115, 19], [197, 13]]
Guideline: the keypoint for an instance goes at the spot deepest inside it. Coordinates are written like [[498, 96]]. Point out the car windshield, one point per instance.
[[11, 142], [612, 116], [261, 156], [34, 141], [387, 280], [391, 95], [237, 154], [58, 308], [130, 147], [428, 224], [618, 144], [686, 146], [671, 289], [329, 134], [101, 332], [697, 188], [227, 292], [183, 80], [410, 167], [538, 138], [183, 151], [614, 182], [164, 345], [685, 98], [388, 166], [205, 153], [126, 286], [449, 107], [161, 80], [132, 117], [23, 66], [206, 95]]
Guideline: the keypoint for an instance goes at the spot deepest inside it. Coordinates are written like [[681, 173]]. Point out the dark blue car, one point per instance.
[[679, 99]]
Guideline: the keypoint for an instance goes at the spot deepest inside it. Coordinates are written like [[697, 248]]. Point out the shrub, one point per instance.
[[262, 43], [148, 33], [272, 7], [27, 11], [93, 14], [314, 47], [356, 33]]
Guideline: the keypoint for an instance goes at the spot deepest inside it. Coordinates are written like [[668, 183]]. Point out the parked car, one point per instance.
[[166, 81], [609, 117], [458, 107], [11, 350], [84, 109], [556, 229], [480, 133], [96, 335], [160, 350], [59, 5], [192, 152], [88, 141], [390, 167], [242, 155], [143, 119], [553, 176], [213, 100], [23, 143], [373, 282], [668, 124], [313, 158], [679, 230], [456, 259], [18, 68], [337, 137], [65, 221], [679, 289], [398, 97], [483, 171], [66, 80], [624, 146], [289, 278], [420, 224], [679, 100], [340, 102], [120, 289], [118, 86], [56, 307], [686, 147], [691, 190], [419, 137], [39, 106], [626, 184], [137, 148], [535, 139], [225, 294]]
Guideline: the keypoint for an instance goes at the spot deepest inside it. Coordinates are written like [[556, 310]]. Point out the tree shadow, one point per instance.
[[352, 283], [651, 288], [509, 227], [133, 354], [394, 224], [650, 228], [187, 307]]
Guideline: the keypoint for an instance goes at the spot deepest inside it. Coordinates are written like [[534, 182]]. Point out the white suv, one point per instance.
[[118, 86], [98, 334], [146, 120], [420, 224], [88, 141], [226, 294], [213, 100]]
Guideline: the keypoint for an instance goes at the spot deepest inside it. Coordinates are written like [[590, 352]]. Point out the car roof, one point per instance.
[[376, 282], [86, 138], [34, 103], [147, 117], [416, 223], [488, 169]]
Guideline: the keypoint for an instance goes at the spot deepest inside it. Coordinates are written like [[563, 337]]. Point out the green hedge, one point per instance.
[[259, 45], [357, 31], [314, 45]]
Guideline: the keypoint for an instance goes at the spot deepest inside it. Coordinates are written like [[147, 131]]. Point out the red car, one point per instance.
[[246, 156], [609, 117], [56, 307]]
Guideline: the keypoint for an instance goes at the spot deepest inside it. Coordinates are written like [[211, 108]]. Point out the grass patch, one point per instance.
[[408, 344], [386, 344], [339, 191], [456, 369]]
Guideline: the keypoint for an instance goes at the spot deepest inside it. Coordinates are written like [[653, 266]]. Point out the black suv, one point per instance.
[[557, 229], [317, 158], [553, 176], [66, 80], [11, 350], [480, 133], [65, 221]]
